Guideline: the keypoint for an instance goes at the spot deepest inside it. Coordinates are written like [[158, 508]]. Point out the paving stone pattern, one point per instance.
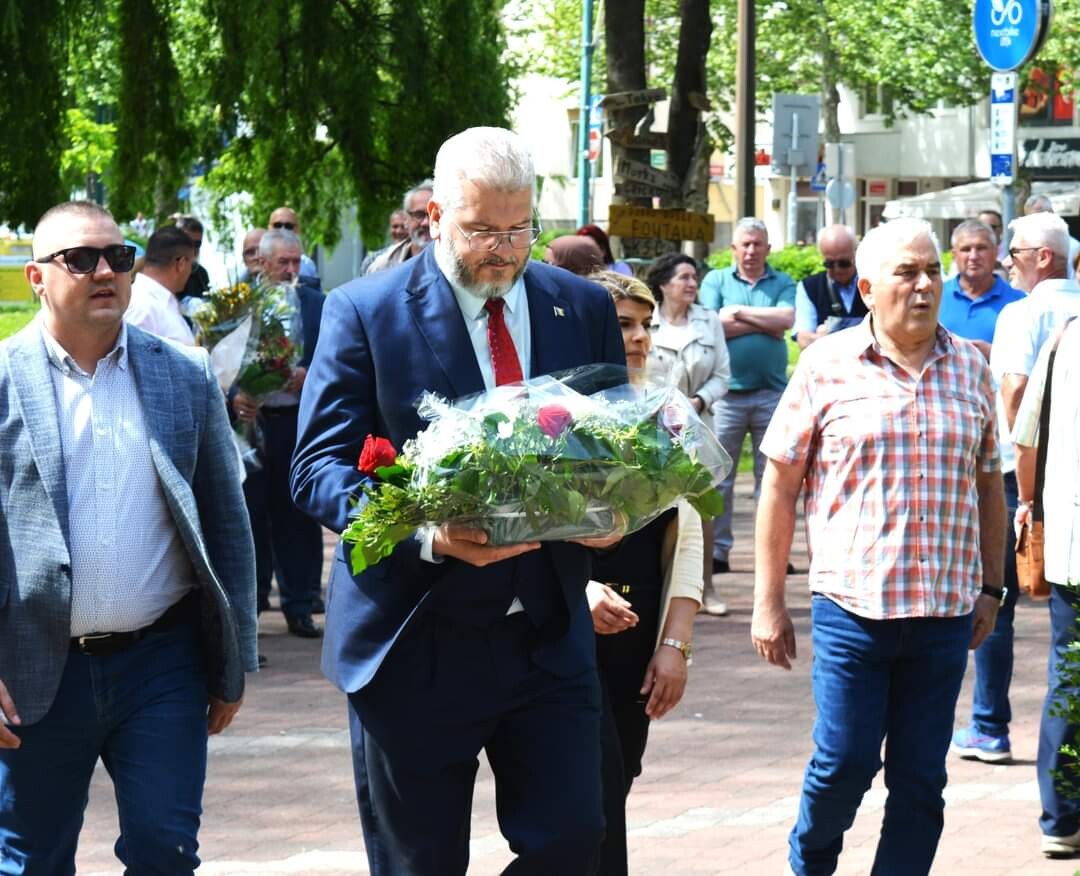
[[720, 784]]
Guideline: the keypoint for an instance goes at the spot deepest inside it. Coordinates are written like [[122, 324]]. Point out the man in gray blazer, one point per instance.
[[127, 579]]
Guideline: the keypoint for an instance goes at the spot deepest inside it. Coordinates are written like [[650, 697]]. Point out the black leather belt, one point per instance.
[[100, 644]]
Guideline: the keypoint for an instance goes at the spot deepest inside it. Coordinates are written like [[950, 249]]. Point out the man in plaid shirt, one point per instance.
[[891, 427]]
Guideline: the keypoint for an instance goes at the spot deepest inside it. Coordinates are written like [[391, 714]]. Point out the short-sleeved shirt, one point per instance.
[[758, 360], [974, 318], [891, 502]]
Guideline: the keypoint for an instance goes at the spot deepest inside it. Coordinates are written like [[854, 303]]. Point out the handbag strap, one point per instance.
[[1044, 431], [1044, 439]]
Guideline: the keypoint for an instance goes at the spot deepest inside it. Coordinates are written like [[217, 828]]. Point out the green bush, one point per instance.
[[795, 261], [14, 316]]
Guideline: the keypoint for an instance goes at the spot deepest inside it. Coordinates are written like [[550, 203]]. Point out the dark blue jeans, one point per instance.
[[143, 712], [990, 710], [874, 680], [1060, 815]]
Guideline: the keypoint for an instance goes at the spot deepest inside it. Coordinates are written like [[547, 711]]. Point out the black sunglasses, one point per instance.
[[288, 226], [84, 259], [843, 264]]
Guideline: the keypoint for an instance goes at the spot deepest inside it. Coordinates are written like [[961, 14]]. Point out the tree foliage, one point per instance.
[[321, 104]]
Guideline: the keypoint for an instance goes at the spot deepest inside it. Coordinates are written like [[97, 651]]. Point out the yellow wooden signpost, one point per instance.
[[643, 222]]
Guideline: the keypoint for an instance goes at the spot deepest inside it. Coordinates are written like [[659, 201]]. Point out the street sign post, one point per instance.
[[1002, 128], [795, 144], [1008, 33], [596, 130]]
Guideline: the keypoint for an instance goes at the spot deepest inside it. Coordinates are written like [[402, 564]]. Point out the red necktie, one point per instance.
[[504, 358]]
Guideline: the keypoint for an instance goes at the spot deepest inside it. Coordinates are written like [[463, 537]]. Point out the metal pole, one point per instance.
[[840, 180], [586, 100], [745, 200], [793, 197]]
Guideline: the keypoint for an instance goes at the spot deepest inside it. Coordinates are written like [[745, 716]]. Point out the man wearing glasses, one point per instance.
[[285, 219], [127, 578], [830, 300], [451, 646], [199, 281], [415, 204]]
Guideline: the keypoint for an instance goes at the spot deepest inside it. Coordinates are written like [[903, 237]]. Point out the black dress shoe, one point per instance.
[[303, 626], [720, 567], [318, 606]]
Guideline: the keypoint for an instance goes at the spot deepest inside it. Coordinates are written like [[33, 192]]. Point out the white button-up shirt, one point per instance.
[[155, 309], [128, 563]]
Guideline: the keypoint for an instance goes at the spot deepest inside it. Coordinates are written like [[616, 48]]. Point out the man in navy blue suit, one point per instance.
[[451, 646]]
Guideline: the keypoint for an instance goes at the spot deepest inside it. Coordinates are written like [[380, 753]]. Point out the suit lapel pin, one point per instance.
[[559, 311]]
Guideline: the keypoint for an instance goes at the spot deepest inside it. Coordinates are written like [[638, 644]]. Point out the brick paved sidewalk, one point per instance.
[[718, 793]]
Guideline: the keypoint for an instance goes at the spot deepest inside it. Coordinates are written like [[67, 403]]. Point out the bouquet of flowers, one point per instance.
[[539, 461], [254, 336]]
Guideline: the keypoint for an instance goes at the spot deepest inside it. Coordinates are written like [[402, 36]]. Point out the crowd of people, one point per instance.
[[139, 550]]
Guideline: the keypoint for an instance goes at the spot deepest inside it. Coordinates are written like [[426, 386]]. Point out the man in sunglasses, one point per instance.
[[127, 575], [155, 292], [285, 219], [419, 232], [829, 301]]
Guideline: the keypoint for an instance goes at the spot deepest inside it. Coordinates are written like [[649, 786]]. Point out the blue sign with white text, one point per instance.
[[1009, 32]]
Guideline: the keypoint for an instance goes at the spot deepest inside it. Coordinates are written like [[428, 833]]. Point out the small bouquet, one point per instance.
[[539, 461], [254, 336]]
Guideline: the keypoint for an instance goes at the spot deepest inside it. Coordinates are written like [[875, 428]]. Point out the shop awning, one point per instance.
[[968, 200]]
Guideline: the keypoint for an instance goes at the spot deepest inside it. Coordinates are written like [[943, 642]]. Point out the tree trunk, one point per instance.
[[830, 95]]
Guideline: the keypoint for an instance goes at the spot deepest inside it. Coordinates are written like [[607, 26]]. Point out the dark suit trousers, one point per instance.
[[288, 543], [446, 692]]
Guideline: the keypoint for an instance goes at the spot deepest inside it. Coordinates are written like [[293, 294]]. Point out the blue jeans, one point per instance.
[[896, 680], [143, 712], [733, 416], [990, 710], [1060, 815]]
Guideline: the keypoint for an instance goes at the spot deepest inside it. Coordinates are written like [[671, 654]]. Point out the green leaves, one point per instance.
[[520, 484]]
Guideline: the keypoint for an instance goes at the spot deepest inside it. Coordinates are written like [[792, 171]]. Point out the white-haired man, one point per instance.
[[890, 428], [450, 646], [417, 226], [1042, 204]]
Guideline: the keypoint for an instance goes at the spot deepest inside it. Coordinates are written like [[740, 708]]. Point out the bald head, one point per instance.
[[53, 229], [836, 243], [250, 251], [284, 218]]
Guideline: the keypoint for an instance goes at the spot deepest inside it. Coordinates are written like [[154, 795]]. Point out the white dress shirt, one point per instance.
[[155, 309], [128, 563]]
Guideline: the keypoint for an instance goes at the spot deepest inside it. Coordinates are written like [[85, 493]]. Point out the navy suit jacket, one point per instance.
[[385, 339]]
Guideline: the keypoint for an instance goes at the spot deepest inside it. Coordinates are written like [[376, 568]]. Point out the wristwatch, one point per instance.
[[685, 647], [998, 593]]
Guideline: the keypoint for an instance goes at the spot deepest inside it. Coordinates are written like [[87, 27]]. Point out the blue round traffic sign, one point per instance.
[[1008, 33]]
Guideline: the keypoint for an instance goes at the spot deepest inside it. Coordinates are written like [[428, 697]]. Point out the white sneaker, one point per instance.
[[1061, 846]]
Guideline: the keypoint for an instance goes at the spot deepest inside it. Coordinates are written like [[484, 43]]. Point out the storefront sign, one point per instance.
[[1051, 157], [626, 221]]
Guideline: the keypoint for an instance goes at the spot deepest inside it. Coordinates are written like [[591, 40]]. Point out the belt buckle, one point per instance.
[[90, 639]]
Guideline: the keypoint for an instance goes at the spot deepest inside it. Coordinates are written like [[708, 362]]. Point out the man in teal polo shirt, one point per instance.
[[972, 299], [757, 307]]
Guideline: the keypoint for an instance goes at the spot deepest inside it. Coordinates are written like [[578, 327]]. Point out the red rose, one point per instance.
[[553, 420], [377, 453]]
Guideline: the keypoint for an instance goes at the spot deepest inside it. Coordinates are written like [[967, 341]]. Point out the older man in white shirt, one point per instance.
[[1060, 819], [155, 303]]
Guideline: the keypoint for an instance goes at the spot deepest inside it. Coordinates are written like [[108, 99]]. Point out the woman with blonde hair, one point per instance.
[[644, 612]]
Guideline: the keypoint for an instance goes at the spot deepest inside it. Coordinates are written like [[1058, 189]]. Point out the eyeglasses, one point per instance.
[[250, 251], [843, 264], [288, 226], [1013, 250], [417, 215], [120, 257], [489, 241]]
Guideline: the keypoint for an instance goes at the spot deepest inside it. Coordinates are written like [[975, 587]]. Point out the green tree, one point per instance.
[[321, 104]]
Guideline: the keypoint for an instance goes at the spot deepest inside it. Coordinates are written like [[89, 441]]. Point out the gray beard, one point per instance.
[[459, 274]]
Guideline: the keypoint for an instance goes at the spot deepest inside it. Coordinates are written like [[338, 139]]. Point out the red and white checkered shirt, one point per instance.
[[892, 513]]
